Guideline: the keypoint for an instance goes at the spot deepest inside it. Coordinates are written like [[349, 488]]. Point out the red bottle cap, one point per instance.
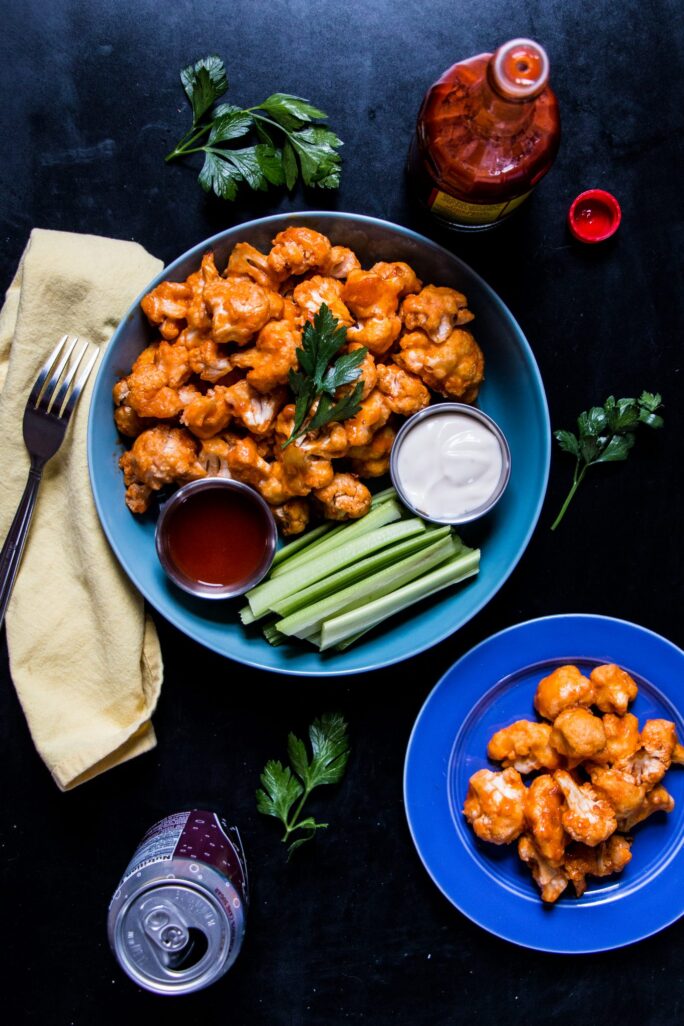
[[594, 216]]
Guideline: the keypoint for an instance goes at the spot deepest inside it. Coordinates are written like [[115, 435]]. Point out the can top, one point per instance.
[[173, 937], [520, 69]]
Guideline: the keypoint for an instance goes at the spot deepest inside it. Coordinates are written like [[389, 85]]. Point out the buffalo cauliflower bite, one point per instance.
[[404, 393], [232, 456], [329, 441], [246, 261], [310, 294], [618, 787], [651, 761], [161, 456], [657, 800], [369, 295], [372, 416], [152, 388], [296, 251], [614, 689], [167, 305], [292, 517], [256, 411], [563, 688], [339, 262], [239, 308], [525, 745], [495, 805], [400, 274], [207, 359], [454, 367], [376, 333], [197, 316], [273, 356], [609, 857], [367, 371], [207, 415], [544, 818], [577, 734], [622, 738], [345, 498], [436, 311], [551, 879], [586, 817], [373, 459]]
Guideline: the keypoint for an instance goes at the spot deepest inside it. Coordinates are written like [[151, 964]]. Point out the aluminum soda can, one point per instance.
[[177, 919]]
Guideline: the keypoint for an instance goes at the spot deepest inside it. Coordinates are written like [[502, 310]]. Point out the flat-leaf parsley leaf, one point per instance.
[[289, 142]]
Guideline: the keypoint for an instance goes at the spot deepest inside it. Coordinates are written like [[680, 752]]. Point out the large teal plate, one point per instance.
[[513, 395]]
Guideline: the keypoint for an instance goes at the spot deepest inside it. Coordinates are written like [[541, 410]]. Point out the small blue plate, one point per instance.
[[513, 395], [490, 687]]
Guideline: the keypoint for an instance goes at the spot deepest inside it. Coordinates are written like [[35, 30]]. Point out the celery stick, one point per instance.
[[310, 619], [302, 541], [273, 635], [348, 624], [354, 572], [383, 496], [265, 594], [385, 513], [298, 558], [246, 615]]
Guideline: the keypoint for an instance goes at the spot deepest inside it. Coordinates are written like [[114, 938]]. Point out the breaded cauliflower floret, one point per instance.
[[373, 459], [273, 356], [239, 308], [167, 305], [339, 262], [372, 416], [614, 689], [651, 761], [345, 498], [405, 393], [329, 441], [152, 387], [525, 745], [207, 414], [578, 734], [609, 857], [161, 456], [657, 800], [563, 688], [454, 367], [550, 879], [296, 251], [400, 274], [292, 517], [618, 787], [376, 333], [437, 311], [232, 456], [622, 738], [369, 295], [544, 818], [495, 805], [586, 817], [310, 294], [209, 360], [246, 261], [257, 411]]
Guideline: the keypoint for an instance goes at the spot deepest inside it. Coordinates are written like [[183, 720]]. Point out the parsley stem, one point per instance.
[[190, 137], [575, 485], [291, 824]]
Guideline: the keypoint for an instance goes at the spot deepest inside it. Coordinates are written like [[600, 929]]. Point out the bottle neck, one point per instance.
[[499, 114]]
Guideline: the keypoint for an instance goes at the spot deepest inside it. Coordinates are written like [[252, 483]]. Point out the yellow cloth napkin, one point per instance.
[[84, 656]]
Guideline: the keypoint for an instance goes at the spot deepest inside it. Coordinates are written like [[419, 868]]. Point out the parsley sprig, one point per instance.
[[318, 378], [289, 143], [284, 790], [606, 435]]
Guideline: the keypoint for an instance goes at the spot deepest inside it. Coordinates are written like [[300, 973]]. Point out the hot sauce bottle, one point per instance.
[[488, 130]]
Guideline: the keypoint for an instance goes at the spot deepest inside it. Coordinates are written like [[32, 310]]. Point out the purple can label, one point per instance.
[[197, 836]]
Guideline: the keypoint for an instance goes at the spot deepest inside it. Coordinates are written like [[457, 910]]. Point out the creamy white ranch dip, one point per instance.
[[449, 464]]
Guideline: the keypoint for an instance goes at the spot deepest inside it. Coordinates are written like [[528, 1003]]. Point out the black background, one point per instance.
[[353, 930]]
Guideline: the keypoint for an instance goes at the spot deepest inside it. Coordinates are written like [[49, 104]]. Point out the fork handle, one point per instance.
[[12, 550]]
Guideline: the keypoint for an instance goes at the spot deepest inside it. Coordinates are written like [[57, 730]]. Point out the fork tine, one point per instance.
[[57, 401], [80, 383], [45, 397], [45, 370]]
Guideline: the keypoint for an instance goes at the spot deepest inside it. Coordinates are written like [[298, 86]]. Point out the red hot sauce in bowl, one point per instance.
[[216, 538]]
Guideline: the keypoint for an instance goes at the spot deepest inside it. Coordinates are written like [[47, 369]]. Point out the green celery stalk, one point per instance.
[[350, 623], [309, 620], [383, 496], [262, 597], [302, 541], [246, 615], [385, 513], [273, 635], [308, 552], [355, 571]]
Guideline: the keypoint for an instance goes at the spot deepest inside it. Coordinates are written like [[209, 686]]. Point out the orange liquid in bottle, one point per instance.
[[488, 130]]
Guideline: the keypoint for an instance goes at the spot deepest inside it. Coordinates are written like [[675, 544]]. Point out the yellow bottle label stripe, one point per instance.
[[473, 213]]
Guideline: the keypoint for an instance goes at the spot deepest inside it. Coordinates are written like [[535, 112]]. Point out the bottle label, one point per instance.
[[461, 212]]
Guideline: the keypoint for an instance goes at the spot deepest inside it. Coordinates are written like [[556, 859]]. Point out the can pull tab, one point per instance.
[[175, 944]]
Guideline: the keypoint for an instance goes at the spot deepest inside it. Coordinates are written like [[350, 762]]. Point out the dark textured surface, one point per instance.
[[352, 930]]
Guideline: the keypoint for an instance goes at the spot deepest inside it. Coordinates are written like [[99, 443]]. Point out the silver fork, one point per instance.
[[47, 414]]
